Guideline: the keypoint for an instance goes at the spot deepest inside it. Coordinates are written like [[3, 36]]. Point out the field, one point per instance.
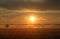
[[30, 33]]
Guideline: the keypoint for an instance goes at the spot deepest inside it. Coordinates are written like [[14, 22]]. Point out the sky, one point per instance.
[[31, 4], [17, 11]]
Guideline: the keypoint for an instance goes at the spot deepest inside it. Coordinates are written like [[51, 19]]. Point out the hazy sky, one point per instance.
[[31, 4], [10, 10]]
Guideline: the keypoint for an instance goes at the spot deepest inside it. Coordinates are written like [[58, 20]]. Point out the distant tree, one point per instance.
[[7, 25]]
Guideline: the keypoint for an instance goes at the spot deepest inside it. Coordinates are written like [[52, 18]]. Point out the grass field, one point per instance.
[[30, 33]]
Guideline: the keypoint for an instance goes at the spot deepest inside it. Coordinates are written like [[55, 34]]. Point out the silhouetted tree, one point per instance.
[[7, 25]]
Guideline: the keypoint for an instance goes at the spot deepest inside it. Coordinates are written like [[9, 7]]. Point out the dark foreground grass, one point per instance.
[[30, 33]]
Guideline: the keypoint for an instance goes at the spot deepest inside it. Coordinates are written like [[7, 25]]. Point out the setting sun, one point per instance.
[[32, 19]]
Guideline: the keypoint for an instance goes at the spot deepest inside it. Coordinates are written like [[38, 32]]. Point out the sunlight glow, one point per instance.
[[32, 19], [27, 10]]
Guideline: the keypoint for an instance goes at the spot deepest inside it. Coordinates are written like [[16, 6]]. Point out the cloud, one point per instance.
[[12, 16], [9, 15], [20, 4]]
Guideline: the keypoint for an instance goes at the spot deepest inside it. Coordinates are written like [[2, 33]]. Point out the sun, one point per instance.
[[32, 19]]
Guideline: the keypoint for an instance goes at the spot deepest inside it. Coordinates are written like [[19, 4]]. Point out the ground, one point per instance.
[[30, 33]]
